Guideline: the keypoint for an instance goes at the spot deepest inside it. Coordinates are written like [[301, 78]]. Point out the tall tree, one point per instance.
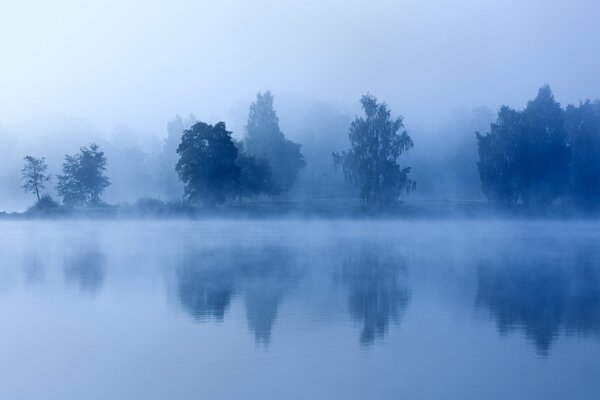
[[583, 128], [34, 175], [497, 158], [265, 139], [543, 159], [207, 163], [83, 179], [371, 163]]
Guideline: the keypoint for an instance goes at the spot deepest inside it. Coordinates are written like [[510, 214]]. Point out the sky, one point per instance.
[[139, 63]]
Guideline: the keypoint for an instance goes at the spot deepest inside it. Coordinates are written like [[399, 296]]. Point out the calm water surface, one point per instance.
[[299, 310]]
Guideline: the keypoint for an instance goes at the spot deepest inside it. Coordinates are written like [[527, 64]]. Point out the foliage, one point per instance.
[[34, 175], [583, 128], [371, 163], [169, 180], [206, 165], [83, 179], [525, 156], [265, 139], [256, 177], [497, 159]]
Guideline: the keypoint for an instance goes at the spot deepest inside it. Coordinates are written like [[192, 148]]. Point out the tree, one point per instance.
[[83, 179], [371, 163], [583, 128], [265, 139], [543, 157], [256, 177], [34, 175], [207, 163], [525, 156], [169, 181], [497, 159]]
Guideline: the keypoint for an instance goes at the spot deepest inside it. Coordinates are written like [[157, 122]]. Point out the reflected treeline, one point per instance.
[[205, 292], [543, 295], [379, 292], [86, 269], [208, 280]]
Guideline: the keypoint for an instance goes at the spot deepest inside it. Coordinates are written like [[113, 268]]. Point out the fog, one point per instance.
[[117, 71]]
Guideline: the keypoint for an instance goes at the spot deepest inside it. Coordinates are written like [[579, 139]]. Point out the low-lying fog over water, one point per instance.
[[299, 310]]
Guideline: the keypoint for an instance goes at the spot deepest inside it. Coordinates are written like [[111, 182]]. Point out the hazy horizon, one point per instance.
[[126, 63]]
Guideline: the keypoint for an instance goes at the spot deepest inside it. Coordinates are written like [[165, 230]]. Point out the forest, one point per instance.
[[544, 158]]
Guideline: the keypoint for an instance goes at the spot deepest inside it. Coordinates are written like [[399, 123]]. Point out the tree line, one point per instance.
[[536, 157], [542, 155], [215, 168]]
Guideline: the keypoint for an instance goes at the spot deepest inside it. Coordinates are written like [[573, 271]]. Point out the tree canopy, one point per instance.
[[206, 165], [83, 179], [376, 142], [265, 139], [525, 157], [256, 176], [582, 124]]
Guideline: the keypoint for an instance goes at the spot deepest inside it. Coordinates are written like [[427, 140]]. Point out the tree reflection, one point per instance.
[[205, 286], [266, 276], [208, 280], [86, 270], [543, 296], [378, 291]]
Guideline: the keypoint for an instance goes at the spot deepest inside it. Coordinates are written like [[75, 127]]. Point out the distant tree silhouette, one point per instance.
[[207, 163], [83, 179], [371, 163], [525, 157], [583, 128], [265, 139], [34, 175]]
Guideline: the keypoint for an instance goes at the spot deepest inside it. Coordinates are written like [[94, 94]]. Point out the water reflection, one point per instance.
[[208, 280], [266, 276], [86, 270], [205, 290], [377, 282], [543, 295], [33, 270]]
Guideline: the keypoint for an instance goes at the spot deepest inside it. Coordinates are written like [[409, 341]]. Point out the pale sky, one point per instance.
[[140, 62]]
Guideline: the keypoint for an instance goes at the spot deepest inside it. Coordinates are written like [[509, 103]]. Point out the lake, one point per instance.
[[288, 309]]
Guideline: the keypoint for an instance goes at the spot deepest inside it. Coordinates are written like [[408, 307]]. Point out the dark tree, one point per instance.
[[371, 163], [525, 157], [83, 179], [256, 177], [207, 163], [34, 175], [583, 128], [265, 139], [544, 154], [497, 158]]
